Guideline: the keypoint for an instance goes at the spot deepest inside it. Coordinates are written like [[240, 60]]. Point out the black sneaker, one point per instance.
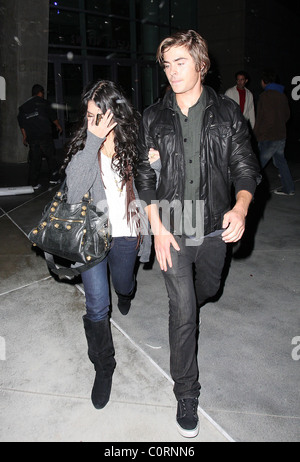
[[53, 181], [187, 417]]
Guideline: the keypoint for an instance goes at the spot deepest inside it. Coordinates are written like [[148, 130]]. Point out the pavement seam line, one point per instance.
[[19, 228], [29, 200], [26, 285], [210, 419]]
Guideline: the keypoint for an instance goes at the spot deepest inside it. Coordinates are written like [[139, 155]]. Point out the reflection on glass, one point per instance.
[[154, 11], [64, 28], [124, 79], [148, 38], [108, 33], [101, 72], [65, 3], [117, 7], [72, 84]]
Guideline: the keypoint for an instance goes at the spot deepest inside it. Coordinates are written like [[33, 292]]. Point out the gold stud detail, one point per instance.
[[88, 258], [52, 209], [35, 231], [55, 204], [69, 226], [56, 225], [84, 207], [59, 193], [83, 214]]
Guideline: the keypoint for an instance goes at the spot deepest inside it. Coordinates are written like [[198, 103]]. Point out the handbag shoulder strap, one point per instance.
[[62, 193], [66, 271]]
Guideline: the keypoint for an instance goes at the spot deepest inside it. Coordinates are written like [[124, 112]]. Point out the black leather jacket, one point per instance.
[[226, 156]]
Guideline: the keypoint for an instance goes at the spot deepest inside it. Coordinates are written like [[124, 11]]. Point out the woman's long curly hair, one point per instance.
[[107, 95]]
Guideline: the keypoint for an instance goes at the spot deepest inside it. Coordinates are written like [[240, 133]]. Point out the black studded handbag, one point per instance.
[[78, 233]]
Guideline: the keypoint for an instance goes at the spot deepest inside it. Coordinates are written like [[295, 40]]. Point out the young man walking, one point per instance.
[[204, 148], [241, 95], [36, 118], [273, 112]]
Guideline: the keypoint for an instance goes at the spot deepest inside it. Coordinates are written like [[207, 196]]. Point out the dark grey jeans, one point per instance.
[[194, 278]]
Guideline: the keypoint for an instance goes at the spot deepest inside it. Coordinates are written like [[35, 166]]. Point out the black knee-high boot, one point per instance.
[[102, 354]]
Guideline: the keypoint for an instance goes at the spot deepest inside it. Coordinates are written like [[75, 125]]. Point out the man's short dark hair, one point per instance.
[[244, 73], [269, 76], [37, 89]]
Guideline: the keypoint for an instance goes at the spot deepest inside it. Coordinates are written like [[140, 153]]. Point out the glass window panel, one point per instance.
[[147, 86], [148, 39], [51, 95], [153, 11], [64, 28], [68, 52], [51, 84], [108, 54], [117, 7], [101, 72], [183, 17], [124, 79], [65, 3], [72, 86], [108, 33]]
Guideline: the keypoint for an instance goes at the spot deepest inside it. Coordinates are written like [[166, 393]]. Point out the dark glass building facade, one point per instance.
[[110, 39]]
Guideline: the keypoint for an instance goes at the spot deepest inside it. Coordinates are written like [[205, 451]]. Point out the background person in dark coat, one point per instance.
[[36, 118], [273, 112]]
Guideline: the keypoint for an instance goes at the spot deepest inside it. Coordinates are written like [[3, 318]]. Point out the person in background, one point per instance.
[[36, 118], [200, 142], [241, 95], [273, 112], [102, 159]]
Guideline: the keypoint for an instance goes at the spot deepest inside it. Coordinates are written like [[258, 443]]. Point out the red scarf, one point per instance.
[[242, 94]]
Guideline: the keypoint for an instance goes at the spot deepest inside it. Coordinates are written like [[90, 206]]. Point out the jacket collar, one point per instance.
[[212, 98]]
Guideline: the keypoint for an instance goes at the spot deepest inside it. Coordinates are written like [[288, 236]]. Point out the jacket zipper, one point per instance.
[[52, 217], [205, 131]]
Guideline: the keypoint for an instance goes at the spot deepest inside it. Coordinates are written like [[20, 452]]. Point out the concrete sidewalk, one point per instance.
[[249, 367]]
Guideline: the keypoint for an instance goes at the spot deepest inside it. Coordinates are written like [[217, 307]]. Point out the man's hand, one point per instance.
[[162, 244], [25, 142], [163, 239], [234, 220]]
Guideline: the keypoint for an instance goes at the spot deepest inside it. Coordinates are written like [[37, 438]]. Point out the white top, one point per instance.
[[116, 200]]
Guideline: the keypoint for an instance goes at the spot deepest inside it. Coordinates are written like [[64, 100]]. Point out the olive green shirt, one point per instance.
[[191, 127]]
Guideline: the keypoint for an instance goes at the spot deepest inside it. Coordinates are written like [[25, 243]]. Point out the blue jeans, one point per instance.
[[194, 278], [275, 150], [121, 262]]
